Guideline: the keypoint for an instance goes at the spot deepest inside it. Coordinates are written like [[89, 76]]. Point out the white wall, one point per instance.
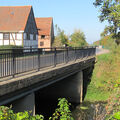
[[1, 39], [18, 41], [6, 42], [12, 36], [1, 42], [1, 36], [19, 36], [13, 40]]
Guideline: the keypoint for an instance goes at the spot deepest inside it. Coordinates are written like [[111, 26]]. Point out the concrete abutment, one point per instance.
[[26, 103], [70, 88]]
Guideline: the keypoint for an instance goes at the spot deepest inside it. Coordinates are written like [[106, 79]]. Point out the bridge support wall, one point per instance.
[[73, 89], [25, 103], [70, 88]]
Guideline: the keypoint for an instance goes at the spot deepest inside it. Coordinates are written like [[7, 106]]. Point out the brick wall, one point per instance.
[[44, 42]]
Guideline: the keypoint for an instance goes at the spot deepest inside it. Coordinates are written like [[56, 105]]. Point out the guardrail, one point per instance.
[[16, 61]]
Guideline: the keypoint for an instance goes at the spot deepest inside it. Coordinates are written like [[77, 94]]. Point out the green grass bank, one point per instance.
[[102, 101]]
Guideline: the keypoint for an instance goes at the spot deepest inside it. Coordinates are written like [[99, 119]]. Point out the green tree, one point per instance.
[[61, 38], [110, 11], [78, 39]]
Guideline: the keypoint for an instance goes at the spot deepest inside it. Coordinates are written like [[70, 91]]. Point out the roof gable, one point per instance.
[[44, 25], [31, 26], [14, 18]]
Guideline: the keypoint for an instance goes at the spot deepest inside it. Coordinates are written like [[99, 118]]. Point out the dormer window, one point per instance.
[[42, 36]]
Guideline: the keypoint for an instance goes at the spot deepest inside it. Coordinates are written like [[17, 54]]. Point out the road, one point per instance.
[[100, 51]]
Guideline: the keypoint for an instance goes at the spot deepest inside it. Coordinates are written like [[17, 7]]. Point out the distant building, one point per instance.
[[45, 32], [18, 26]]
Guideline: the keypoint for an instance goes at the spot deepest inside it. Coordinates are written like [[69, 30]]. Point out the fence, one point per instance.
[[16, 61]]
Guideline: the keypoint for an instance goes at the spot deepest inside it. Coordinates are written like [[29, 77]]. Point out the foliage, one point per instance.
[[61, 38], [78, 39], [97, 43], [9, 46], [110, 11], [107, 41], [63, 112], [7, 114], [57, 42], [105, 84]]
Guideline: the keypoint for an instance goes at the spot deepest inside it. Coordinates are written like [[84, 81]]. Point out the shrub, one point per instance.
[[61, 113], [10, 47]]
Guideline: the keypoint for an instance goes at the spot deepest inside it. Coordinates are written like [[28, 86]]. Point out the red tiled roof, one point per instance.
[[44, 25], [13, 18]]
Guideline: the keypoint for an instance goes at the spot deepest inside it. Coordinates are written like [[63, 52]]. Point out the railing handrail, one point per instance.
[[16, 61], [49, 48]]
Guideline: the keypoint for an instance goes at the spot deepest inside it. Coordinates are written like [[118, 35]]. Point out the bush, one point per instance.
[[10, 47], [61, 113]]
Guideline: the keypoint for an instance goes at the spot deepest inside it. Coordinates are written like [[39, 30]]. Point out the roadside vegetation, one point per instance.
[[76, 39], [61, 113], [10, 47], [102, 101]]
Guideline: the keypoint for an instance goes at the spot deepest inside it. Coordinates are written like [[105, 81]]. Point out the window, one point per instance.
[[41, 43], [34, 37], [42, 36], [6, 36], [28, 36]]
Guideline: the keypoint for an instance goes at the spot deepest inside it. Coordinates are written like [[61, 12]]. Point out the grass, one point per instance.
[[95, 94], [105, 76], [101, 93]]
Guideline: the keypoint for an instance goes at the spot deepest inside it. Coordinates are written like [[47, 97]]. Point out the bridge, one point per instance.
[[25, 72]]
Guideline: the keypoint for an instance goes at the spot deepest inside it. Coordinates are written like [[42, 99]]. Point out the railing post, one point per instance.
[[39, 51], [14, 63], [55, 57], [30, 49], [75, 54], [67, 55]]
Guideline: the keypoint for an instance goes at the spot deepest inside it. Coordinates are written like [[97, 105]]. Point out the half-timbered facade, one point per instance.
[[45, 32], [18, 26]]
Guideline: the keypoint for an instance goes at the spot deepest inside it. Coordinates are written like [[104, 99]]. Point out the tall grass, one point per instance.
[[105, 75]]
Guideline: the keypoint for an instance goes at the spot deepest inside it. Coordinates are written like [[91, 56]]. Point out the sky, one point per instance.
[[67, 14]]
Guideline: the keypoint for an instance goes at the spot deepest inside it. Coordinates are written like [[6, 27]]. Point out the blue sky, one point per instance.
[[67, 14]]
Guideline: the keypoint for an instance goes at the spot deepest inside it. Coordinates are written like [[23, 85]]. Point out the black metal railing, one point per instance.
[[16, 61]]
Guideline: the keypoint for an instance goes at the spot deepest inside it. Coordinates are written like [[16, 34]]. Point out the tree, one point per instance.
[[77, 39], [61, 38], [110, 11]]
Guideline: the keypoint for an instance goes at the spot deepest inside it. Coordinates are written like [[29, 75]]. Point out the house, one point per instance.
[[45, 32], [18, 26]]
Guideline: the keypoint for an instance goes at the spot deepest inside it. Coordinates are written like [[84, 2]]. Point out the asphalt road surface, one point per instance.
[[101, 51]]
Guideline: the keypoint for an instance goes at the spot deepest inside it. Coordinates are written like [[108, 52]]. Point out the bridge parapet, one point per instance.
[[16, 61]]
